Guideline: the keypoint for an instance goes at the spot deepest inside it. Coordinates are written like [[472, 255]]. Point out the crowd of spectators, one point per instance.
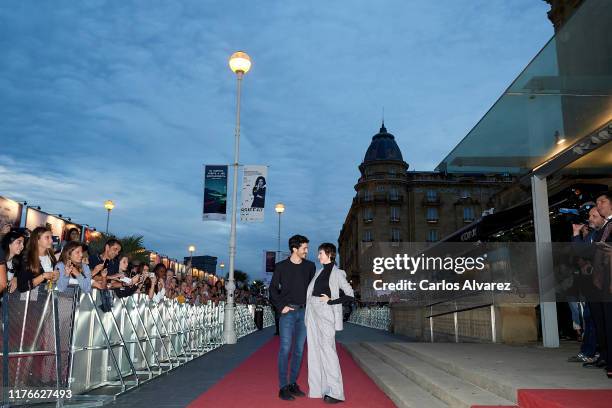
[[28, 262]]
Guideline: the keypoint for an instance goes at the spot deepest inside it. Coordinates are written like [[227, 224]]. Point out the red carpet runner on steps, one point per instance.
[[254, 384]]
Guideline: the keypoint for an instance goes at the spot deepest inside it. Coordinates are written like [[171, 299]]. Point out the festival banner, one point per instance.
[[215, 192], [10, 213], [269, 261], [253, 193]]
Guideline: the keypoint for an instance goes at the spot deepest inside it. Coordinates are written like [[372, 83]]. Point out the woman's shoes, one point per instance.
[[331, 400]]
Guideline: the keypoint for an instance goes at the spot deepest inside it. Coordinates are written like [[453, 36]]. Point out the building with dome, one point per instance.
[[393, 204]]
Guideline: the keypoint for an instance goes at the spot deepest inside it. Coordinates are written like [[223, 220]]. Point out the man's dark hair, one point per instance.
[[296, 242], [607, 194], [113, 241], [329, 249]]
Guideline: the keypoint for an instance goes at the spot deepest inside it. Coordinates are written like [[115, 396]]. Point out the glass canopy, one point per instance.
[[562, 95]]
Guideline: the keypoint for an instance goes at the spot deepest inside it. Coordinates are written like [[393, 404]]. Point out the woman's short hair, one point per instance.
[[329, 249]]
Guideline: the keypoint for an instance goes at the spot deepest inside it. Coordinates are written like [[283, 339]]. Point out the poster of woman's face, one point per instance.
[[10, 213]]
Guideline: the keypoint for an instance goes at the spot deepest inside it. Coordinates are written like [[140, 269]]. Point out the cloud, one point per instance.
[[127, 100]]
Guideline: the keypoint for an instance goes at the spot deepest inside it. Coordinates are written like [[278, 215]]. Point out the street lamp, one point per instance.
[[240, 63], [109, 205], [191, 250], [279, 208]]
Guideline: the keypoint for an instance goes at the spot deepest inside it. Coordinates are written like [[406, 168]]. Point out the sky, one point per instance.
[[127, 100]]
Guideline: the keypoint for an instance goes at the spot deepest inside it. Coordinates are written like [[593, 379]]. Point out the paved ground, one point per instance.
[[181, 386]]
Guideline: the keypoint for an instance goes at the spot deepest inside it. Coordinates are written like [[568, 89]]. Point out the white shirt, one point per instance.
[[46, 264], [9, 265]]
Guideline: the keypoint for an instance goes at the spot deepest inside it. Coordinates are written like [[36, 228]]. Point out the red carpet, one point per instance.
[[254, 384], [565, 398]]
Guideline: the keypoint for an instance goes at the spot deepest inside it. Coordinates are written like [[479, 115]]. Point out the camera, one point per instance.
[[579, 215]]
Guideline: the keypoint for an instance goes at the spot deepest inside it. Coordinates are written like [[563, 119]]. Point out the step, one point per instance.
[[454, 391], [495, 385], [403, 392]]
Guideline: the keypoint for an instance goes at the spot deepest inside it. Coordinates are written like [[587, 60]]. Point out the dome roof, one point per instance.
[[383, 147]]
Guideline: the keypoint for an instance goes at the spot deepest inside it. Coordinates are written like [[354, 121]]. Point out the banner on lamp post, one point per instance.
[[215, 192], [253, 196]]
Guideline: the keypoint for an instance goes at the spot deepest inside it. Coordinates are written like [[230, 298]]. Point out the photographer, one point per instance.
[[586, 234], [602, 276]]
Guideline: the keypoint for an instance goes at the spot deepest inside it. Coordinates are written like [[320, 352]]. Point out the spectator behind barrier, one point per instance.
[[2, 270], [104, 266], [12, 247], [129, 285], [155, 283], [39, 261], [72, 270]]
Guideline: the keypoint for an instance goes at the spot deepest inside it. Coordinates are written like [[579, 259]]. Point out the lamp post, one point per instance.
[[191, 250], [239, 63], [109, 205], [279, 208]]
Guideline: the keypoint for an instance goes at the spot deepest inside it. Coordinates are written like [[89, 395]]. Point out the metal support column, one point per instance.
[[546, 281]]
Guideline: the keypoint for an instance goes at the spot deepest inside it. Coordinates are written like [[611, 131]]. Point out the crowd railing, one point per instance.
[[61, 347], [376, 317]]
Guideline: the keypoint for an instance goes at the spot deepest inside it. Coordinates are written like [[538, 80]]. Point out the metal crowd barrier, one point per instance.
[[378, 317], [61, 347]]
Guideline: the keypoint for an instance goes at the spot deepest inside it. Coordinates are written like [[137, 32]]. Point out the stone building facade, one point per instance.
[[393, 204]]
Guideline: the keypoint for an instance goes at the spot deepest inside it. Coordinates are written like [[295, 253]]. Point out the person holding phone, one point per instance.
[[39, 262], [72, 270], [155, 287]]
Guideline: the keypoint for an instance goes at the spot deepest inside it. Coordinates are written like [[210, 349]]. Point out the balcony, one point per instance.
[[432, 220], [368, 220], [431, 200], [379, 198], [394, 219]]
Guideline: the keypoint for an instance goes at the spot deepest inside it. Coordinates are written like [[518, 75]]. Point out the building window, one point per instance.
[[394, 194], [465, 193], [367, 195], [395, 214], [368, 215], [432, 196], [468, 214], [432, 214], [367, 236], [395, 235], [432, 235], [380, 189], [392, 172]]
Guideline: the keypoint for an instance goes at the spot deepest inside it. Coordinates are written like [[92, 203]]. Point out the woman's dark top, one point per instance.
[[25, 276], [321, 287]]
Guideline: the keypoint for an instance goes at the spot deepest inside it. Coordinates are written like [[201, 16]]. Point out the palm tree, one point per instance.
[[131, 245]]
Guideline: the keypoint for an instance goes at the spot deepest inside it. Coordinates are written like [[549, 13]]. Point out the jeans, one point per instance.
[[589, 338], [576, 321], [292, 333]]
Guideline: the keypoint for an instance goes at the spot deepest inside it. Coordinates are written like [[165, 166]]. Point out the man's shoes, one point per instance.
[[331, 400], [285, 394], [600, 363], [294, 389]]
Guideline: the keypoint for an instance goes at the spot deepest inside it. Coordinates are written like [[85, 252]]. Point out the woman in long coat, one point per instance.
[[323, 319]]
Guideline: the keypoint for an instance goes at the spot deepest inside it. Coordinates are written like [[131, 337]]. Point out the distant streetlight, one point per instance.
[[109, 205], [279, 208], [240, 64], [191, 250]]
